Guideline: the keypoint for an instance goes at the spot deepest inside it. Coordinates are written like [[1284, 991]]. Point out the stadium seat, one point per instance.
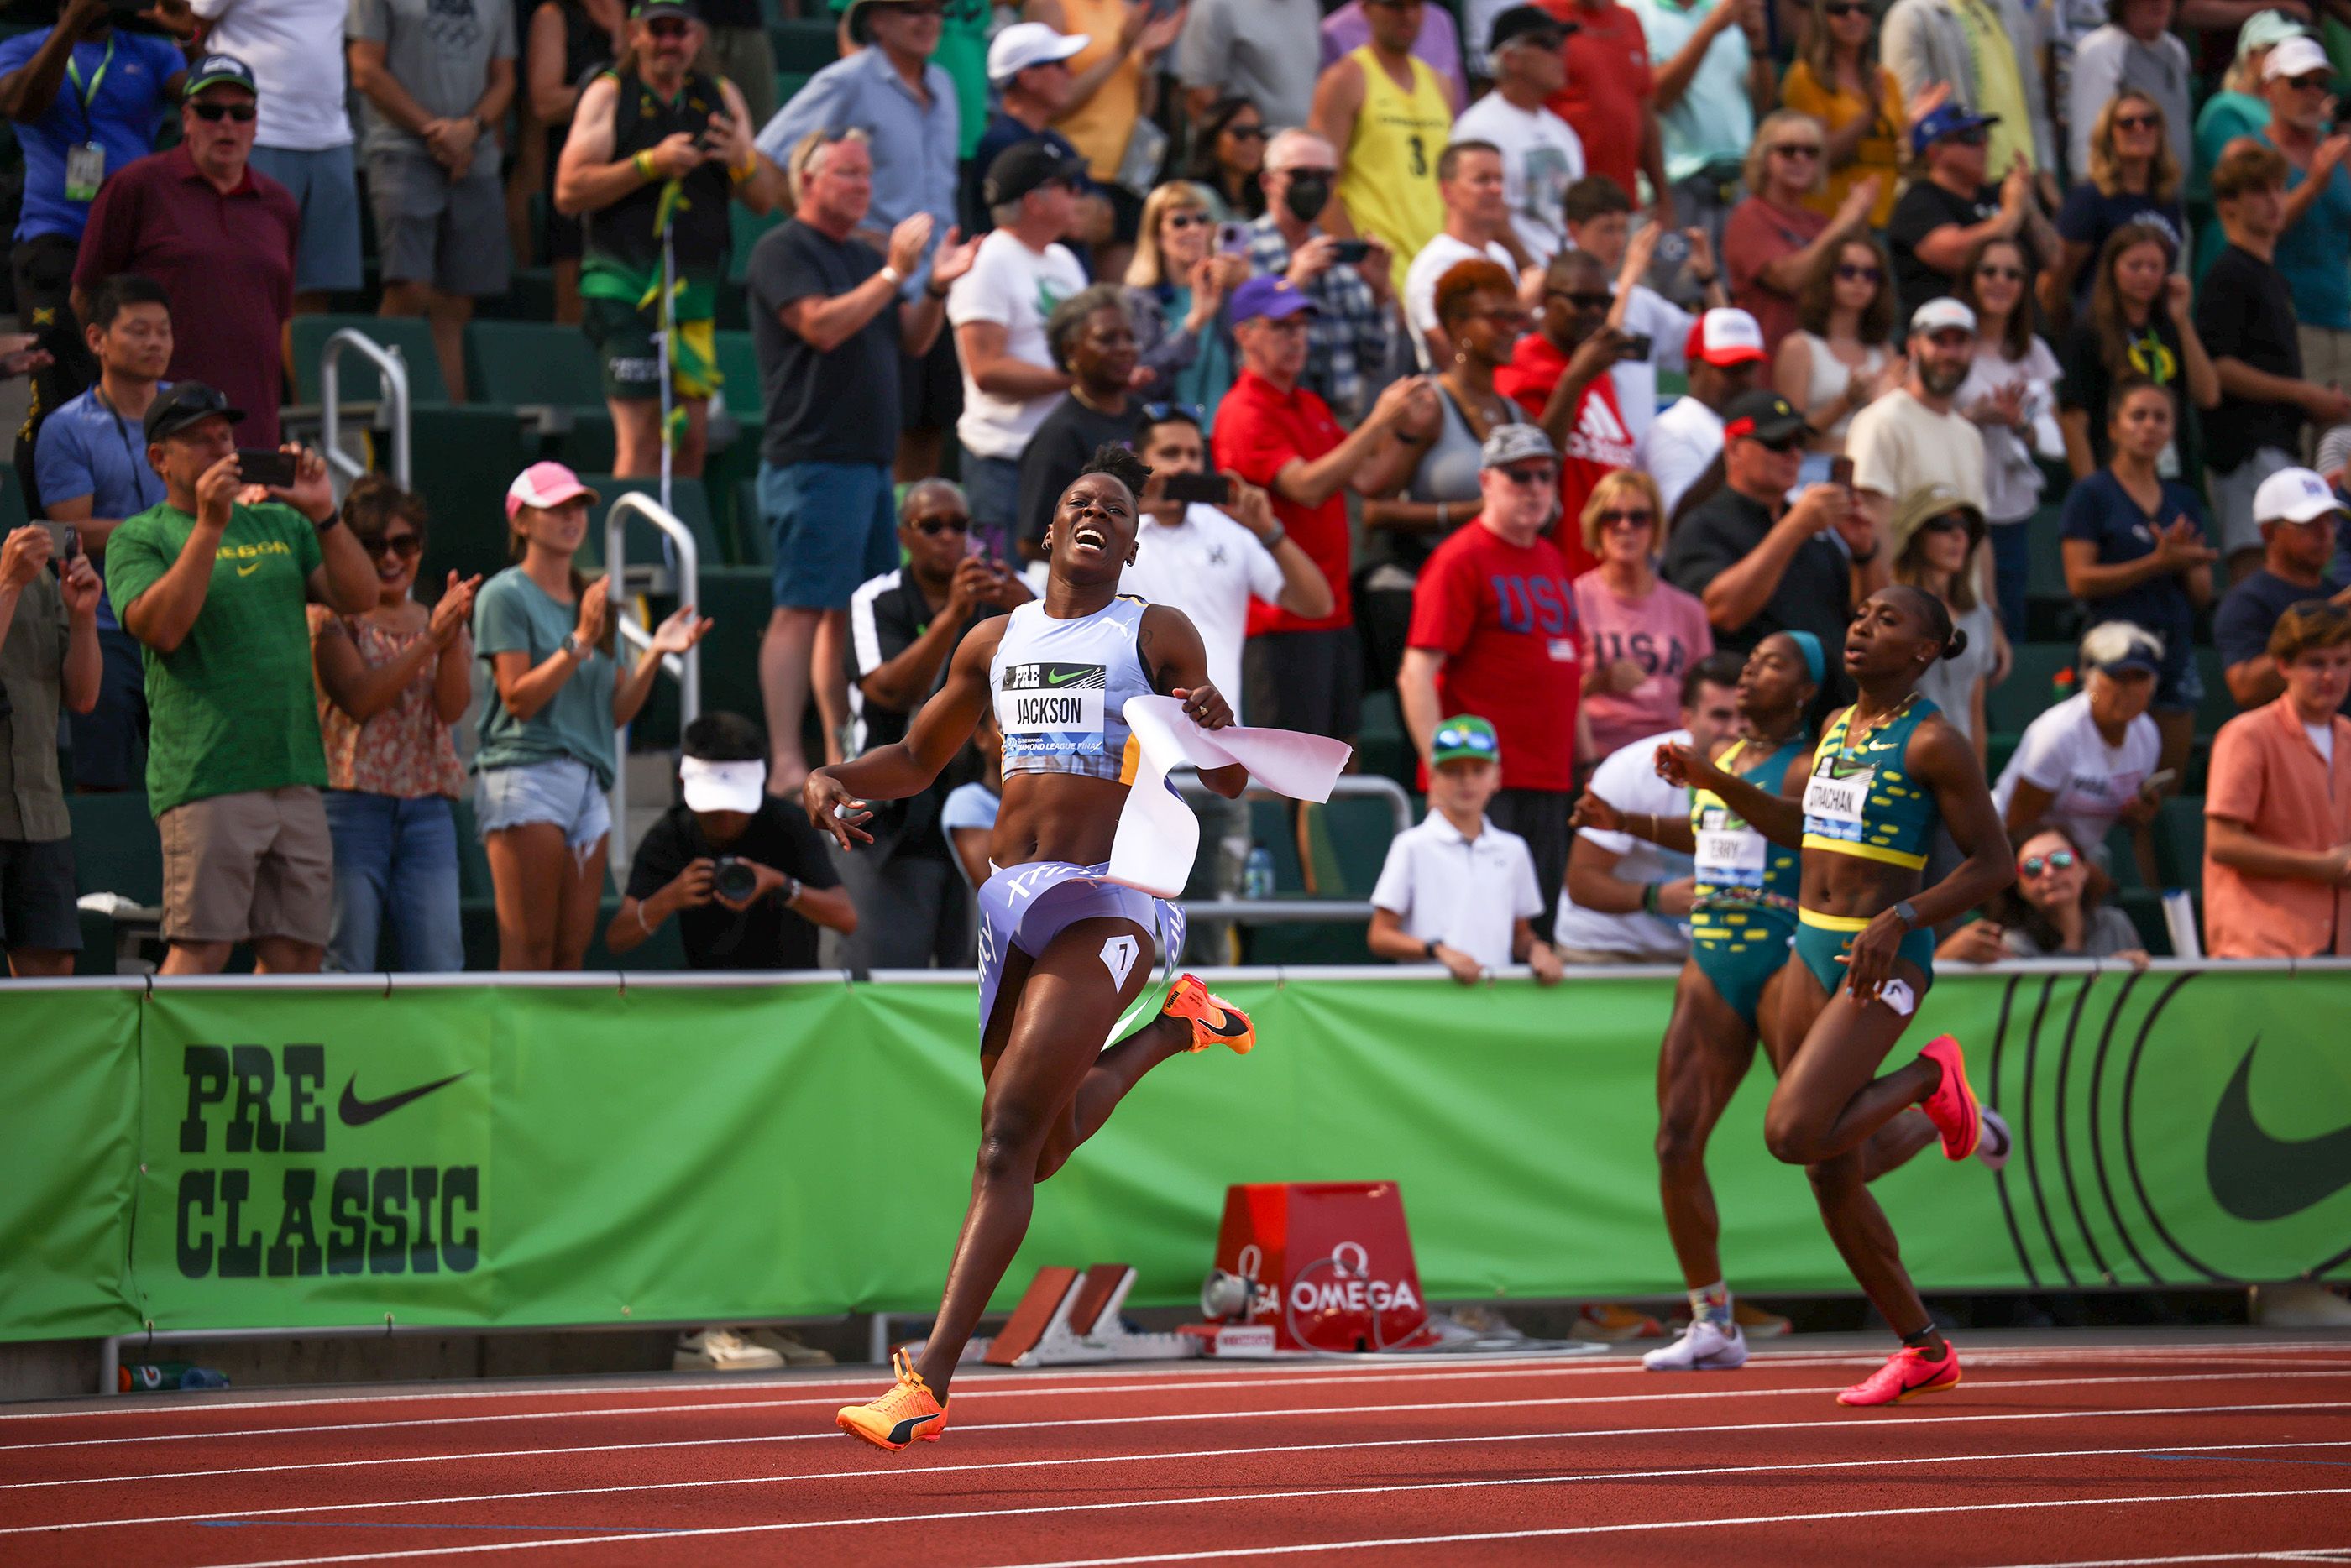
[[2030, 688], [2180, 841], [1381, 745], [687, 501], [532, 362], [738, 601], [116, 846], [804, 44], [749, 227], [462, 459], [408, 334]]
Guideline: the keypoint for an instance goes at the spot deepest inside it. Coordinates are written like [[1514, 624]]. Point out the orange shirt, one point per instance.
[[2267, 775]]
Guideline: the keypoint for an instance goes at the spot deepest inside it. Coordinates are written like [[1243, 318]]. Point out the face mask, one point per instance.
[[1307, 196]]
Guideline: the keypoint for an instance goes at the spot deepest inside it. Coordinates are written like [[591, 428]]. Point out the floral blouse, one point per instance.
[[406, 751]]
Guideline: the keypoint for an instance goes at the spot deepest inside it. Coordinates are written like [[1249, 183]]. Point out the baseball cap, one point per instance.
[[722, 786], [2266, 30], [1515, 443], [1466, 736], [219, 70], [1025, 44], [1949, 121], [2118, 645], [187, 403], [1725, 338], [543, 484], [1527, 22], [2295, 495], [2295, 58], [1940, 315], [1761, 415], [1027, 166], [1270, 297]]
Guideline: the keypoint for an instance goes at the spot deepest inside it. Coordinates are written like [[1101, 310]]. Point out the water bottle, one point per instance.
[[1256, 875]]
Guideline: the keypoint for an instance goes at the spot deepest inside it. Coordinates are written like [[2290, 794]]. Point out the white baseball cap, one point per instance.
[[2295, 58], [1936, 315], [1025, 44], [1725, 336], [2295, 495], [722, 786]]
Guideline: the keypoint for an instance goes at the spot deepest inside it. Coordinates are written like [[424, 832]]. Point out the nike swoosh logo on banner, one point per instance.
[[356, 1112], [2254, 1176], [903, 1432]]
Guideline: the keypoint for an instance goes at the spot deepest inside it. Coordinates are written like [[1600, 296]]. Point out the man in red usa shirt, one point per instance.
[[1494, 632]]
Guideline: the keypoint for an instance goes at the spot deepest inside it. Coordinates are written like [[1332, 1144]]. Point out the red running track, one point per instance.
[[2063, 1449]]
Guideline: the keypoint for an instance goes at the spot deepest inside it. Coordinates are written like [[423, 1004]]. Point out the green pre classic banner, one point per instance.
[[486, 1155]]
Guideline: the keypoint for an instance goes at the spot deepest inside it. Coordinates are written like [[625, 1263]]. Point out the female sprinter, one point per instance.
[[1063, 954], [1886, 771]]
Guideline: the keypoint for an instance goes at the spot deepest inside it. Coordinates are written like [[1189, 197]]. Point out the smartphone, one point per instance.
[[1214, 489], [65, 540], [259, 465], [1638, 346], [1841, 471], [1232, 239], [1350, 251]]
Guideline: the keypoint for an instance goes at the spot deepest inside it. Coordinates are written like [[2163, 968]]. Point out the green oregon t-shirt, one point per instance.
[[513, 615], [233, 707]]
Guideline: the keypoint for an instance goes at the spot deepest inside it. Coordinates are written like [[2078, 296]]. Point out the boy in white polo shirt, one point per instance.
[[1458, 890]]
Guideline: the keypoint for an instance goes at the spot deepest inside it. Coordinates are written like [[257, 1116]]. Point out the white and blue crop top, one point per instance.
[[1061, 689]]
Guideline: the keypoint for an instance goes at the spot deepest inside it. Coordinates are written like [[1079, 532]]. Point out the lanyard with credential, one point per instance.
[[140, 472], [86, 163], [89, 95]]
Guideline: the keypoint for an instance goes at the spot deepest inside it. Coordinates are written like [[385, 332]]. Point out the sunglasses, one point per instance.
[[2007, 273], [1644, 518], [1949, 523], [2137, 121], [1844, 10], [1780, 448], [2317, 81], [1541, 474], [2055, 860], [1590, 301], [1463, 740], [242, 113], [407, 547], [1194, 219], [1797, 150], [668, 27], [1849, 273], [1974, 135], [1246, 132], [940, 523], [1160, 413]]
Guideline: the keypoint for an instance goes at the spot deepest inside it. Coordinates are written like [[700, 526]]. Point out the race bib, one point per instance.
[[1729, 855], [1052, 709], [1835, 800]]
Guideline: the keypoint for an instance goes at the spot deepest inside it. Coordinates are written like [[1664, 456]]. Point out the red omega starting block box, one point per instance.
[[1328, 1267]]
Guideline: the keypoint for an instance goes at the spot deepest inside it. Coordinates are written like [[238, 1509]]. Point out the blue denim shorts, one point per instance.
[[835, 528], [561, 791]]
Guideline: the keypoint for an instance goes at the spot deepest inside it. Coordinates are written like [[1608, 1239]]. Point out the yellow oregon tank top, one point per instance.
[[1388, 175], [1100, 127]]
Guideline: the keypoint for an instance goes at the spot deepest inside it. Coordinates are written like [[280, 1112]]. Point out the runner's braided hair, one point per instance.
[[1937, 617], [1122, 464]]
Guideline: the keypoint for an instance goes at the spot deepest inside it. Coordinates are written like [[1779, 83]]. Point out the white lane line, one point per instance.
[[1393, 1541], [1841, 1423], [1387, 1368], [1154, 1420], [1098, 1388], [2279, 1555], [1259, 1453], [868, 1521]]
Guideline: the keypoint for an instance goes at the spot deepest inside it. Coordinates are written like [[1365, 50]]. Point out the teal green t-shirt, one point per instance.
[[513, 615], [233, 707]]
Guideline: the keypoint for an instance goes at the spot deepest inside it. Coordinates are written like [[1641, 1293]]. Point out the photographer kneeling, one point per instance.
[[747, 878]]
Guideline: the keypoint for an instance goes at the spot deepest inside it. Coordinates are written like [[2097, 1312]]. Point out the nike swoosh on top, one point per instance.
[[356, 1112], [249, 571], [903, 1432], [2254, 1176], [1234, 1032]]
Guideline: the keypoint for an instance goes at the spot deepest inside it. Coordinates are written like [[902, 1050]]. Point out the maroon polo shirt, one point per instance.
[[226, 261]]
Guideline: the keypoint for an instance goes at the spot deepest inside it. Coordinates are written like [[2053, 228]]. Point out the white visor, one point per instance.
[[722, 786]]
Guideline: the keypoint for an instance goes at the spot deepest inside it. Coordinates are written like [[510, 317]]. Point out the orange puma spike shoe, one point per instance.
[[1215, 1021], [904, 1415]]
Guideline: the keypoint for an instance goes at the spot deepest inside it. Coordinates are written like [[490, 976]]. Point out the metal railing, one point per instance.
[[394, 371], [1292, 911], [686, 668]]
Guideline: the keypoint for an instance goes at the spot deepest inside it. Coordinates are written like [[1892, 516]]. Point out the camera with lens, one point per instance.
[[734, 880]]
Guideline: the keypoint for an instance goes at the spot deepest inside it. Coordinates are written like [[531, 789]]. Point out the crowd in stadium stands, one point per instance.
[[1507, 371]]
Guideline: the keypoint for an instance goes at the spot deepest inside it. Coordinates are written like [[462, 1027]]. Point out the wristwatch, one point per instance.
[[791, 891], [1430, 949], [1274, 538], [575, 647], [1907, 915]]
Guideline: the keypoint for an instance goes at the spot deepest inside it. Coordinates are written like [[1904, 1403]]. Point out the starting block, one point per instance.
[[1067, 1318]]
